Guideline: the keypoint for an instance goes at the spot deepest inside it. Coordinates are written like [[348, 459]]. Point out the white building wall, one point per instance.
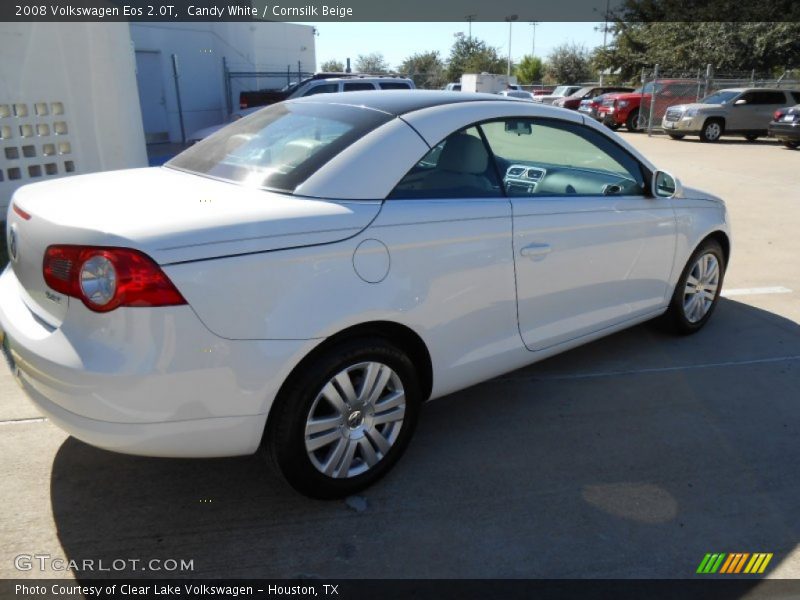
[[200, 48], [68, 102]]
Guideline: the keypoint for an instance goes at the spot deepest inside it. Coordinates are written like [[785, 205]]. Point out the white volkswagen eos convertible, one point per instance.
[[305, 278]]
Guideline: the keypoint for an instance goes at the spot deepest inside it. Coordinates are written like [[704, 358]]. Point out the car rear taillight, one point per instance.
[[777, 115], [106, 278]]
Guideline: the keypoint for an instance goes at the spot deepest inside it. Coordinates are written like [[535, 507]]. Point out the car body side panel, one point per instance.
[[451, 280]]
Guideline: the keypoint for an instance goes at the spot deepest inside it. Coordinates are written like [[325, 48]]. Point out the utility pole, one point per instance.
[[510, 19], [533, 24], [470, 19]]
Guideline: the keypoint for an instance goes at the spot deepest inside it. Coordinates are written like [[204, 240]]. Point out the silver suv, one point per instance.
[[355, 83], [735, 111]]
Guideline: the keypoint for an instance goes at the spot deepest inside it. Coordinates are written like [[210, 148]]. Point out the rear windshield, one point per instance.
[[280, 146]]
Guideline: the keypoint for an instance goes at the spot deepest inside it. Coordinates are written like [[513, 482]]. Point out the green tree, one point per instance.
[[426, 69], [569, 63], [471, 55], [529, 69], [372, 63], [332, 66], [640, 41]]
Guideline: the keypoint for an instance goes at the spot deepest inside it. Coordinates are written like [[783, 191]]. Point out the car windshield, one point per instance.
[[719, 98], [280, 146], [560, 90]]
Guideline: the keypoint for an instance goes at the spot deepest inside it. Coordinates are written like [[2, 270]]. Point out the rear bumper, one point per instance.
[[150, 381], [785, 131]]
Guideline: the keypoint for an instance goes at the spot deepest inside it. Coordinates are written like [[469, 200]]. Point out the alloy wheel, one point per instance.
[[713, 131], [355, 420], [701, 288]]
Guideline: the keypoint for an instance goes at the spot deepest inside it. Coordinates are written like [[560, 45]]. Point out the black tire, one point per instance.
[[612, 126], [676, 136], [675, 319], [791, 144], [285, 438], [632, 122], [751, 137], [712, 130]]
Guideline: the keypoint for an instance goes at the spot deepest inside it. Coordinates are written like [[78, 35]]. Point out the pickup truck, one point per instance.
[[632, 109]]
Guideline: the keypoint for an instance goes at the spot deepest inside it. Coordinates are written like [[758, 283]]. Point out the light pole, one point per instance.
[[534, 24], [510, 19], [470, 19]]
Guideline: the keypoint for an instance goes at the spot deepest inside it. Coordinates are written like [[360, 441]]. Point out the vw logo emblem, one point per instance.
[[13, 243]]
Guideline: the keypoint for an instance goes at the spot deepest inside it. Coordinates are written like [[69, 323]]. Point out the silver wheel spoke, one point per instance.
[[347, 459], [395, 414], [315, 443], [331, 466], [368, 452], [314, 426], [333, 396], [343, 379], [383, 378], [370, 374], [381, 443], [392, 401]]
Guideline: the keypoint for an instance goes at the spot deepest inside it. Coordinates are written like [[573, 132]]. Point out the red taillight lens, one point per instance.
[[105, 278], [777, 115]]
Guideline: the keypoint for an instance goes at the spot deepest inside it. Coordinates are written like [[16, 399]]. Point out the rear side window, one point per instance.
[[458, 167], [769, 98], [796, 96], [358, 87], [394, 85], [280, 146], [327, 88]]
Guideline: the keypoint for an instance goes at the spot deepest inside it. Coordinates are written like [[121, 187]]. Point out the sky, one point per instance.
[[396, 41]]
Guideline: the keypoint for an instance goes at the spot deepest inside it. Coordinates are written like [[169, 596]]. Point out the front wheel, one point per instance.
[[791, 144], [676, 136], [345, 420], [697, 292], [635, 121], [712, 131], [751, 137]]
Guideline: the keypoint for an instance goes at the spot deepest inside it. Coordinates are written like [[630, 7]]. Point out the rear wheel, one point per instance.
[[346, 419], [751, 137], [697, 292], [791, 144], [676, 136], [712, 130]]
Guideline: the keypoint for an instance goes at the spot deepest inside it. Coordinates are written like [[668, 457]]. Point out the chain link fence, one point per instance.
[[664, 89]]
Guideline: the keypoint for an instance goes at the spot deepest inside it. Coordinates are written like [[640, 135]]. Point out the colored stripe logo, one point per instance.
[[735, 562]]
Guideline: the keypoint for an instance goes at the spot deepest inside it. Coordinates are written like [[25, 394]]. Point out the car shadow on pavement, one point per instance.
[[633, 456]]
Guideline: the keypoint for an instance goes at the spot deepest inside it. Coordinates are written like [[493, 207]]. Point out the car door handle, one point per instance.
[[536, 250]]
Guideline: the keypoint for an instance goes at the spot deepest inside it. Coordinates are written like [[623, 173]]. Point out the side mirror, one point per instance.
[[665, 185], [740, 102]]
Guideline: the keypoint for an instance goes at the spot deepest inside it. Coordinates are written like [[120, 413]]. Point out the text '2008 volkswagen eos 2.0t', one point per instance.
[[305, 278]]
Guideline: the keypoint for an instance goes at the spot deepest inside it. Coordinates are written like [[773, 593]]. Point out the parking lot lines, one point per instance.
[[755, 291]]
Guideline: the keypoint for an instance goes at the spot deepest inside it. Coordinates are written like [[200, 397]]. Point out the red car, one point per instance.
[[632, 109], [588, 93]]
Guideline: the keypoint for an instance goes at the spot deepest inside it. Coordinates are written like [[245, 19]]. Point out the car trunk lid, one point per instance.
[[168, 214]]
